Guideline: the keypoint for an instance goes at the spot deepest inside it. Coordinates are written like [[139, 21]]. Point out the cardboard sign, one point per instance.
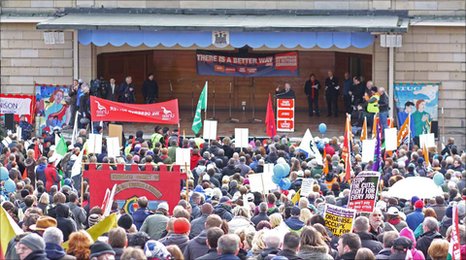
[[428, 140], [368, 150], [262, 182], [113, 147], [94, 143], [339, 220], [19, 132], [183, 157], [116, 131], [161, 185], [391, 139], [363, 193], [241, 137], [210, 130], [306, 187], [285, 115]]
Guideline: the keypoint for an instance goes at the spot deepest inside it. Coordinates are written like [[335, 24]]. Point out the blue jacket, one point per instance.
[[294, 223], [139, 216], [40, 172], [414, 219]]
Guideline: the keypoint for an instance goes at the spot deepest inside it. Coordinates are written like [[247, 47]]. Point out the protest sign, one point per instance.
[[262, 182], [306, 187], [391, 142], [183, 157], [241, 137], [427, 139], [368, 150], [210, 130], [94, 144], [116, 131], [339, 220], [18, 105], [363, 191], [113, 147]]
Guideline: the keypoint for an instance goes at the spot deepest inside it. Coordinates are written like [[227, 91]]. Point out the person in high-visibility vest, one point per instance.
[[372, 106]]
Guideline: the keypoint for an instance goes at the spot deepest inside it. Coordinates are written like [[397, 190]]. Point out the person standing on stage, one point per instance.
[[112, 90], [150, 89], [127, 91], [74, 93], [347, 84], [285, 93], [331, 94], [357, 91], [311, 88]]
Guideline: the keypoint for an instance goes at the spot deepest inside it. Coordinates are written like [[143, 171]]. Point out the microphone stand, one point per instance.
[[231, 119]]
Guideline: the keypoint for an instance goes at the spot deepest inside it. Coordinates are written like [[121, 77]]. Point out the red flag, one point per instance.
[[346, 154], [270, 124]]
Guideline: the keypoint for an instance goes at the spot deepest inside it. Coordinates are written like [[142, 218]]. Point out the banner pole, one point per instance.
[[82, 185], [187, 183]]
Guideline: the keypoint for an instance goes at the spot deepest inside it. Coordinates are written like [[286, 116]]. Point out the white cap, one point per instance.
[[393, 211], [163, 205]]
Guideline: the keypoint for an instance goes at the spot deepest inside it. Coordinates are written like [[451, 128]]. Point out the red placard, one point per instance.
[[18, 105], [285, 115], [157, 113], [285, 124], [363, 193], [162, 185], [285, 103]]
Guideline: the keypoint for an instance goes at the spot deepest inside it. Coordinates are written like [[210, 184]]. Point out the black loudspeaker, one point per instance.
[[434, 128], [9, 122]]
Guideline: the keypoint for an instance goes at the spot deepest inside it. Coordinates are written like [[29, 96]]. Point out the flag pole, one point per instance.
[[82, 185], [187, 183]]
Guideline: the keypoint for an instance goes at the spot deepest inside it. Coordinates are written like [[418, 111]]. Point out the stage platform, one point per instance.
[[335, 125]]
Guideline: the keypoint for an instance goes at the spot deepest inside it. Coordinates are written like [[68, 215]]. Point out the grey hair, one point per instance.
[[272, 239], [361, 224], [53, 235], [263, 207], [430, 223], [228, 244]]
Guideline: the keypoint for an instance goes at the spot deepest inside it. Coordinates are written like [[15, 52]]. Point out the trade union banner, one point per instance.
[[157, 113], [249, 65], [53, 106], [339, 220], [420, 100], [363, 191], [18, 105]]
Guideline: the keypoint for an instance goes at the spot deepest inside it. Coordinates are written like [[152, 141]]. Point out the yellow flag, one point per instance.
[[375, 122], [296, 197], [426, 154], [104, 226], [8, 230]]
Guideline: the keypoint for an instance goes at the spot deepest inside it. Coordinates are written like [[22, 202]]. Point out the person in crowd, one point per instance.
[[438, 249], [416, 217], [331, 94], [364, 254], [112, 90], [198, 224], [394, 221], [388, 239], [141, 213], [383, 107], [348, 246], [155, 224], [290, 246], [293, 222], [150, 89], [311, 89], [78, 213], [228, 247], [53, 238], [361, 227], [74, 94], [197, 246], [179, 235], [312, 246], [31, 246], [64, 222], [431, 228], [118, 240], [213, 235], [101, 251], [84, 107], [262, 214], [408, 233], [285, 93]]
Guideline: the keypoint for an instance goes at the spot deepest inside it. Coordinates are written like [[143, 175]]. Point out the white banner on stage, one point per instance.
[[241, 137]]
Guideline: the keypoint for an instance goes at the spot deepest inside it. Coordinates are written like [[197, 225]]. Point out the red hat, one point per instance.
[[419, 204], [181, 226]]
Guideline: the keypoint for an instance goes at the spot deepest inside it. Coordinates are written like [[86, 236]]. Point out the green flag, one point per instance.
[[201, 105], [61, 147]]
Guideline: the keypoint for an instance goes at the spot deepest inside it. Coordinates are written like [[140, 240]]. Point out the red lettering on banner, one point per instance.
[[286, 103], [230, 70], [219, 68], [286, 61], [287, 114], [285, 124]]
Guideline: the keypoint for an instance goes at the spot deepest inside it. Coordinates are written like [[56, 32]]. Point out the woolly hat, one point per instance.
[[181, 226], [408, 233], [419, 204], [156, 250], [99, 248], [295, 211], [33, 242], [94, 219], [125, 221], [414, 199]]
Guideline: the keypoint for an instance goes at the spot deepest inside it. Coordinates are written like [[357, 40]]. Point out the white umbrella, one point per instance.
[[423, 187]]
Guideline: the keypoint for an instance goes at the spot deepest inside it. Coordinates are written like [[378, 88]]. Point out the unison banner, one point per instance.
[[364, 191], [339, 220], [18, 105], [249, 65], [422, 99], [157, 113]]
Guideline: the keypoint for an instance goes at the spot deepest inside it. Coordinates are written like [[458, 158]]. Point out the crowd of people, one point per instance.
[[219, 217]]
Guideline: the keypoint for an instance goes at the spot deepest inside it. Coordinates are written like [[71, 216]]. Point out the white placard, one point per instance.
[[113, 147], [94, 144], [210, 130], [262, 182], [306, 187], [19, 132], [427, 139], [241, 137], [183, 157], [368, 150], [391, 139]]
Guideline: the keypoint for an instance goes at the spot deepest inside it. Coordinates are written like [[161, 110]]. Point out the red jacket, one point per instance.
[[195, 160], [51, 176]]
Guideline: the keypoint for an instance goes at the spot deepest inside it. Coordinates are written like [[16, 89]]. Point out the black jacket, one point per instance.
[[150, 89], [283, 94], [370, 241], [64, 222], [424, 241], [384, 254], [383, 103], [308, 88], [259, 217], [290, 254], [211, 255], [85, 105], [37, 255], [331, 87], [348, 256]]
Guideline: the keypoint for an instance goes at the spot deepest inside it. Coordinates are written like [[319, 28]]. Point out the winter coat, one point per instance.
[[30, 164], [40, 172], [240, 222], [155, 225], [37, 255], [211, 254], [198, 225], [348, 256], [197, 247], [290, 254], [414, 219], [314, 252], [423, 243], [268, 253], [51, 176], [118, 252], [259, 217], [56, 252], [294, 224], [139, 216], [370, 241], [223, 211], [64, 222], [79, 215], [384, 254], [440, 211], [175, 239]]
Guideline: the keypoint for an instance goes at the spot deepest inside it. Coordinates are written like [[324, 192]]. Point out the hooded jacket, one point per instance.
[[424, 241], [408, 233], [197, 247], [64, 222], [180, 240], [56, 252], [294, 223], [223, 211], [314, 252]]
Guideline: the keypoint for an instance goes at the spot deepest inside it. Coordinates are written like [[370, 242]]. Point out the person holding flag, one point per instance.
[[201, 105]]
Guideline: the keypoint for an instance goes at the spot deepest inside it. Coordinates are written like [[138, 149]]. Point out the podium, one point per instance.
[[285, 114]]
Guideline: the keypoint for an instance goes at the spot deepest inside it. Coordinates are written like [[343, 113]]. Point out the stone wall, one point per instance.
[[26, 59], [416, 7], [438, 54]]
